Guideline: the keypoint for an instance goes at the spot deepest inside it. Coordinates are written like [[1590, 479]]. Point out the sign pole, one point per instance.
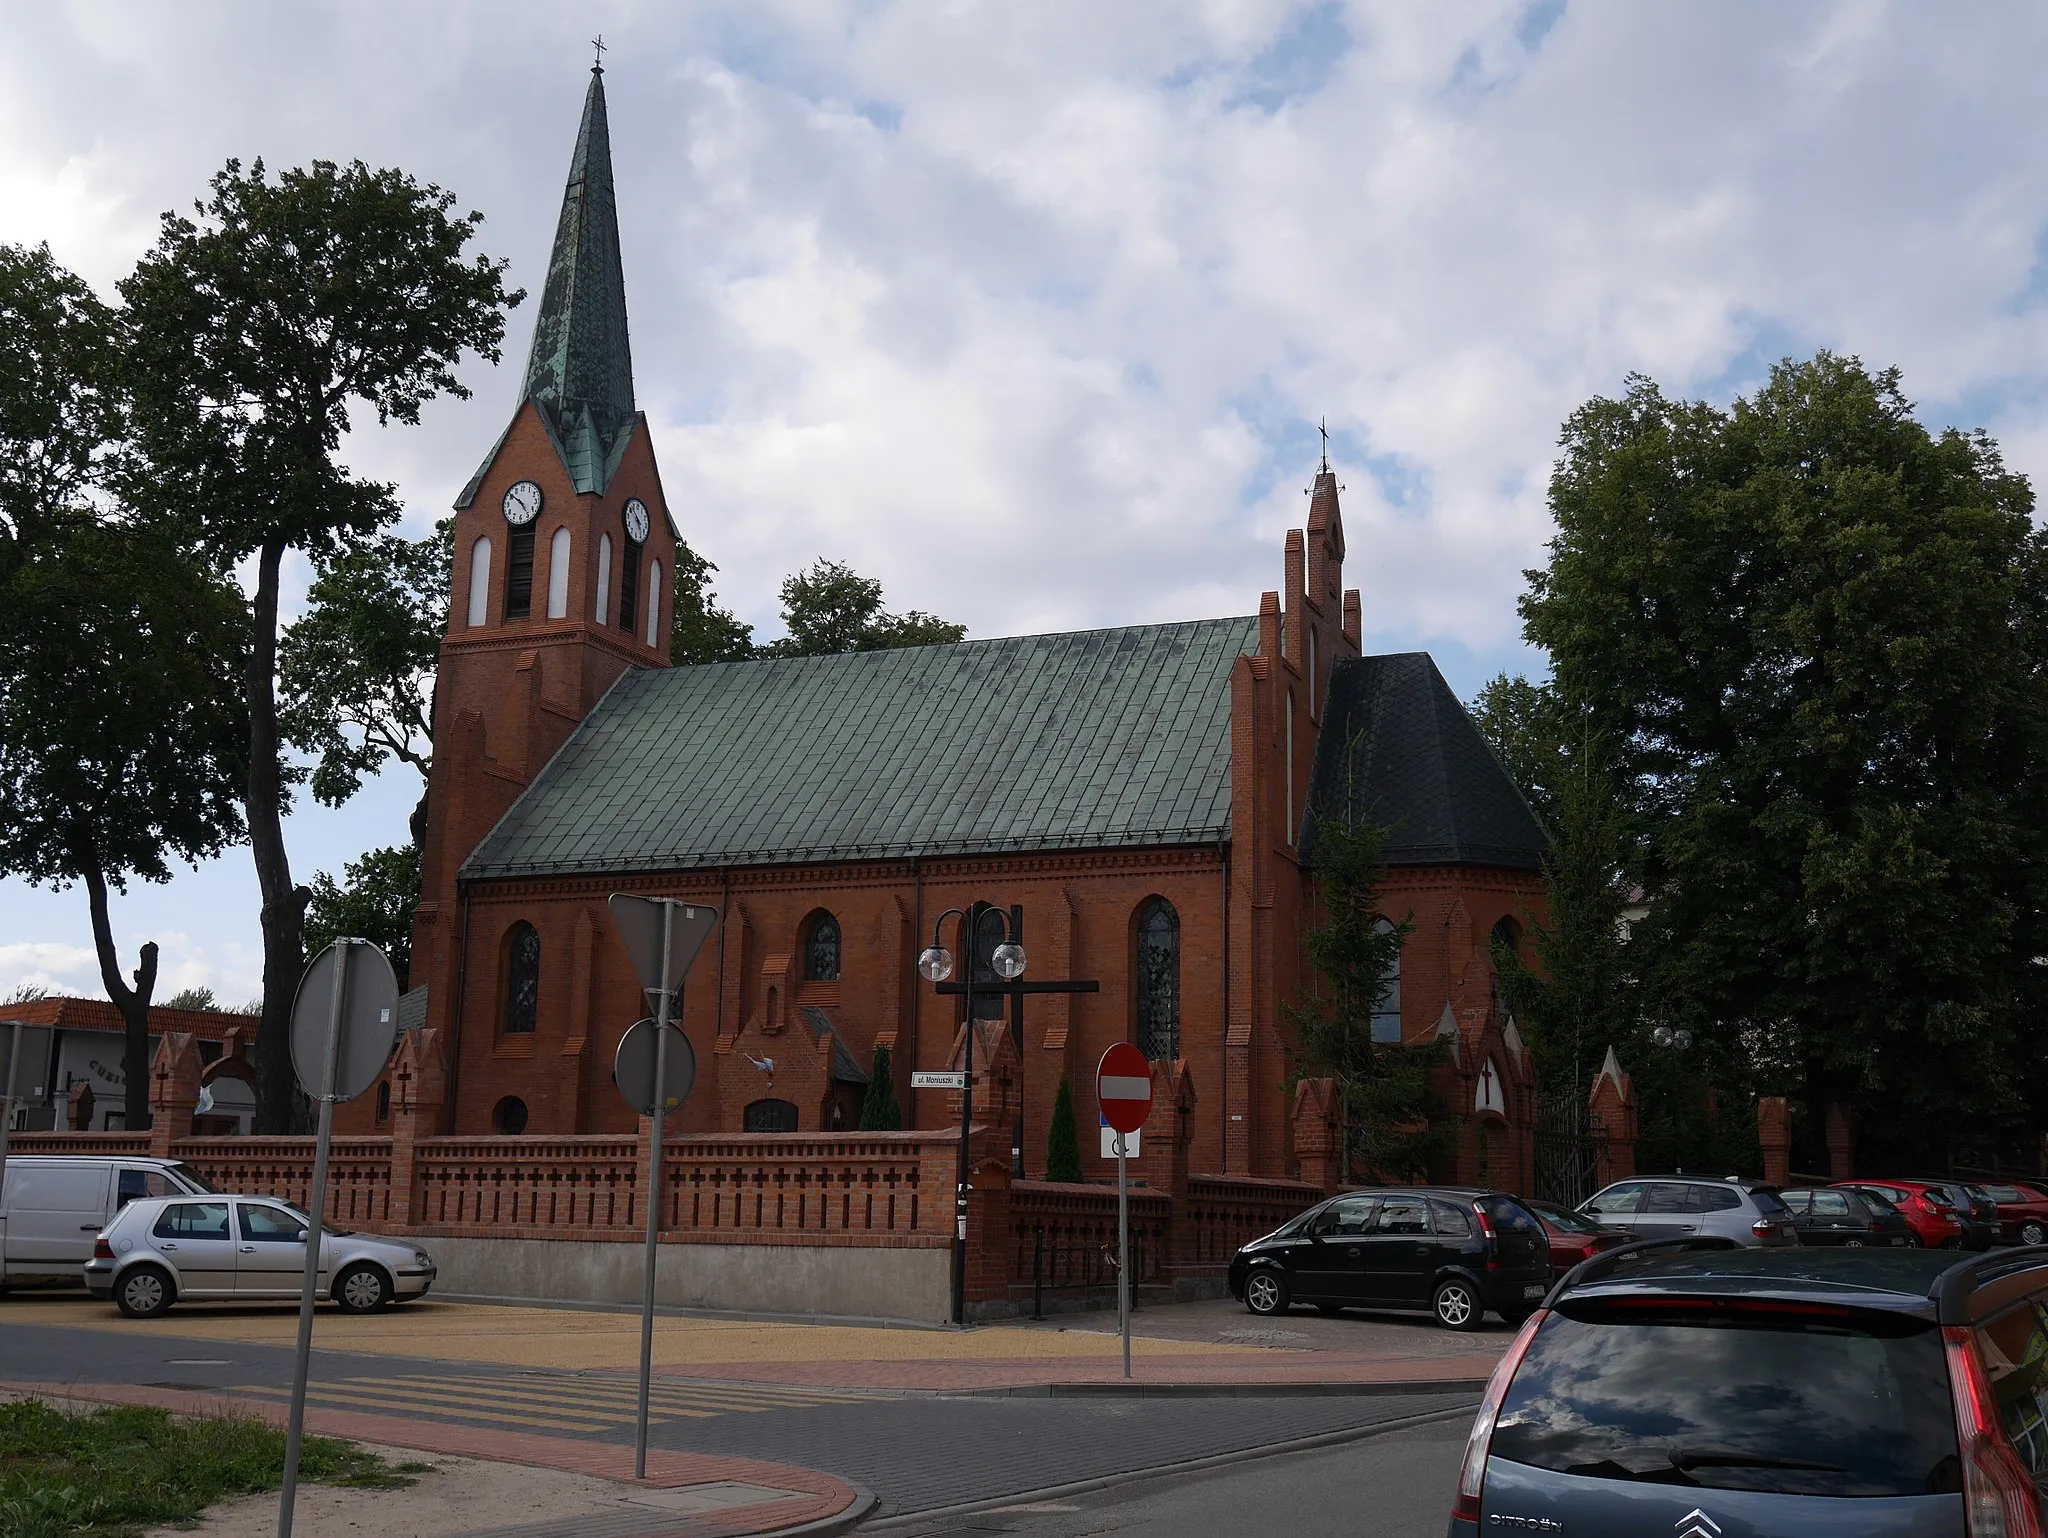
[[316, 1208], [661, 999], [1123, 1247]]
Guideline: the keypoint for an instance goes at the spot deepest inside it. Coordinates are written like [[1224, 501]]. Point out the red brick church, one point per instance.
[[1135, 796]]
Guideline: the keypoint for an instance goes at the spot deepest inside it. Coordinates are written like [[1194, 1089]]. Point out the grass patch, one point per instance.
[[110, 1473]]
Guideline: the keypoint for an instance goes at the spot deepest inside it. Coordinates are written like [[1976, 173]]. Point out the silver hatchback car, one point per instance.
[[1684, 1206], [166, 1249]]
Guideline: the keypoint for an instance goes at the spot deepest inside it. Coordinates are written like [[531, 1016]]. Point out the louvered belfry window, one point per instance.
[[519, 573], [1158, 981]]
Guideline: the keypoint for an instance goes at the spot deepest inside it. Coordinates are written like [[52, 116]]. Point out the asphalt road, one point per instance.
[[917, 1452], [1396, 1485]]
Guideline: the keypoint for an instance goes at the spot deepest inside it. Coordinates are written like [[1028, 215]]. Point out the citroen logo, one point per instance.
[[1697, 1524]]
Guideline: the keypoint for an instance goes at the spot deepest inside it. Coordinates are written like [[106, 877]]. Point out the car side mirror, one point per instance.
[[302, 1236]]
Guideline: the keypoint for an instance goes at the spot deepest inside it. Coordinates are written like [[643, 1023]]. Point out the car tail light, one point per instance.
[[1998, 1492], [1763, 1228], [1472, 1478], [101, 1250], [1485, 1222]]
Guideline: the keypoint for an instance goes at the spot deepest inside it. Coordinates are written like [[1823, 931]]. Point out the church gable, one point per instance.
[[1091, 739]]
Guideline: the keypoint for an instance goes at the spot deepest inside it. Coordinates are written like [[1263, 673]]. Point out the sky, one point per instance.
[[1032, 311]]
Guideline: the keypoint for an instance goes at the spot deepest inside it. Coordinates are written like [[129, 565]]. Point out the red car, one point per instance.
[[1931, 1215], [1573, 1236], [2022, 1212]]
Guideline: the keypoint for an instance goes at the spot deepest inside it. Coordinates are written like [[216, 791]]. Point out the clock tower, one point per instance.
[[564, 559]]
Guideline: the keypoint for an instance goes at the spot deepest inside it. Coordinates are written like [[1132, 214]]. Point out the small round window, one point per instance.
[[509, 1116]]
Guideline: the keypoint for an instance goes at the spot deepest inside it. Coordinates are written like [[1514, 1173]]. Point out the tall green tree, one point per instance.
[[1063, 1138], [1812, 636], [259, 327], [119, 724], [878, 1108], [1392, 1125], [1521, 722], [701, 631], [373, 901]]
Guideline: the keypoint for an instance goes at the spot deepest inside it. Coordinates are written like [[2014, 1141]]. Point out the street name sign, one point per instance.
[[925, 1079]]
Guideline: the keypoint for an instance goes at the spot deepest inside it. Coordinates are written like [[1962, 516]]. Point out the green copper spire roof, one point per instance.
[[580, 371]]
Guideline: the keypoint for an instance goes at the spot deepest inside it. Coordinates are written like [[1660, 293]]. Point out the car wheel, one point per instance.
[[362, 1289], [2032, 1233], [144, 1292], [1265, 1293], [1914, 1242], [1852, 1244], [1456, 1305]]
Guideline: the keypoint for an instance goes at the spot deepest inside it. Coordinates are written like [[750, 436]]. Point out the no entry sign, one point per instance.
[[1123, 1086]]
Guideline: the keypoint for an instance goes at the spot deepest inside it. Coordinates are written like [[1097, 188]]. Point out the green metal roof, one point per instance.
[[580, 370], [1090, 739]]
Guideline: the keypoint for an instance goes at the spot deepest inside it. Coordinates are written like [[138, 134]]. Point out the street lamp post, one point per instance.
[[936, 965]]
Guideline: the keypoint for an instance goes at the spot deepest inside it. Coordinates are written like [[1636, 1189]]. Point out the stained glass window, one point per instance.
[[771, 1116], [522, 980], [821, 950], [1158, 981], [1386, 1012]]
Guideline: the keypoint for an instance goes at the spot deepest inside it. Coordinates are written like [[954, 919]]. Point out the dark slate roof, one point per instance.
[[844, 1069], [1089, 739], [1401, 750], [580, 370]]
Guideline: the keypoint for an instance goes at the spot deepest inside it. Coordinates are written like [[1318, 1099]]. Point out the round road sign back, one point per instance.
[[633, 1069], [1123, 1087], [369, 1020]]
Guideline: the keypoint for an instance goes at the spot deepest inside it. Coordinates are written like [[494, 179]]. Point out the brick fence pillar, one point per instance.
[[419, 1080], [1173, 1121], [173, 1091], [1316, 1135], [989, 1240], [1774, 1135], [1611, 1115], [1841, 1142]]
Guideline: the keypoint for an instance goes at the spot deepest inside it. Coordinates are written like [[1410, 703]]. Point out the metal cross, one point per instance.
[[598, 43], [1324, 428]]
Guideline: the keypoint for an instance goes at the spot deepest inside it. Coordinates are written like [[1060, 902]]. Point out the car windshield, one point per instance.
[[192, 1178], [1563, 1217], [1714, 1396], [1767, 1202], [1876, 1201]]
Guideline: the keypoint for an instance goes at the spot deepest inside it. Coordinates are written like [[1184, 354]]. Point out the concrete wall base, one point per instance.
[[911, 1284]]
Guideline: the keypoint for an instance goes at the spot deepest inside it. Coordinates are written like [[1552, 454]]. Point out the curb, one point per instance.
[[864, 1502], [1114, 1390], [1170, 1470], [684, 1311]]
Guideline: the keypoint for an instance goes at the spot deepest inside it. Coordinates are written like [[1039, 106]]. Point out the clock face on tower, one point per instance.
[[522, 503], [636, 520]]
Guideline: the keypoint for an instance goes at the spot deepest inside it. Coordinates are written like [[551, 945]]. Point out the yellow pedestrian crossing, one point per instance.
[[584, 1404]]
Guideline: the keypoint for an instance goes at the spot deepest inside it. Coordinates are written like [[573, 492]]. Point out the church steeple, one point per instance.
[[581, 366]]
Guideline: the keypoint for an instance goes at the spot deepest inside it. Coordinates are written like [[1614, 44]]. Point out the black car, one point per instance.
[[1830, 1215], [1672, 1389], [1453, 1251]]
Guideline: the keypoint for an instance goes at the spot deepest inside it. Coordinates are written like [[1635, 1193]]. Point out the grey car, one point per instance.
[[166, 1249], [1683, 1206]]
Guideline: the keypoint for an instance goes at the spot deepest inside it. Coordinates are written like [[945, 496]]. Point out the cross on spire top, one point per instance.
[[1323, 427], [599, 44]]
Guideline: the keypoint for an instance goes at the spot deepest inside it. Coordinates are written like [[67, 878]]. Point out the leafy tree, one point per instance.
[[119, 731], [356, 672], [25, 993], [1520, 721], [1063, 1138], [374, 901], [1391, 1126], [831, 608], [191, 998], [878, 1109], [701, 631], [1811, 635], [259, 328]]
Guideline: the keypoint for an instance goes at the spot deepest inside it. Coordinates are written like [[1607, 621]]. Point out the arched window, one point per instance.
[[1289, 831], [509, 1116], [604, 576], [519, 573], [479, 582], [1311, 672], [629, 586], [653, 602], [1386, 1011], [383, 1101], [558, 575], [989, 932], [522, 980], [1507, 941], [821, 950], [771, 1116], [1158, 981]]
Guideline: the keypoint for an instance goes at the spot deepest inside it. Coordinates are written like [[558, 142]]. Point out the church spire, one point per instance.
[[580, 371]]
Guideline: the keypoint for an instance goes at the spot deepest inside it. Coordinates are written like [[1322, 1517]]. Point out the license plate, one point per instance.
[[1535, 1290]]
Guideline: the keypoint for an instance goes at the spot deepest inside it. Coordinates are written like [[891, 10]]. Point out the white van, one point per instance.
[[54, 1204]]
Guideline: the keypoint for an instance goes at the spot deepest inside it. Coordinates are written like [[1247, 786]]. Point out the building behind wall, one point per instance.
[[1136, 795]]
